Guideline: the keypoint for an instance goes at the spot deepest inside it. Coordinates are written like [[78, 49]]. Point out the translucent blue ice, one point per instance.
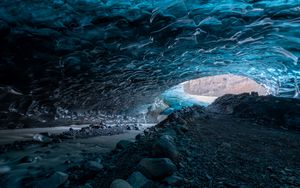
[[115, 54]]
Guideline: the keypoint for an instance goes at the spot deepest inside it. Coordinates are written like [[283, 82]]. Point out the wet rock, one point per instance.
[[42, 138], [139, 136], [137, 180], [54, 181], [164, 146], [128, 127], [133, 127], [170, 132], [123, 144], [173, 180], [98, 126], [156, 168], [119, 183], [93, 166], [147, 131]]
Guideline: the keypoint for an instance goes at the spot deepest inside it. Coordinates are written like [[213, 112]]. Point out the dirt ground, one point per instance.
[[217, 151], [239, 141]]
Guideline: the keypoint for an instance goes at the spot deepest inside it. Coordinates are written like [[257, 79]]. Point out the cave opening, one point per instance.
[[203, 91], [159, 93]]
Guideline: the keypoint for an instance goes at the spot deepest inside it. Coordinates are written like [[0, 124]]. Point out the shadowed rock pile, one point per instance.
[[198, 147], [283, 112], [238, 141]]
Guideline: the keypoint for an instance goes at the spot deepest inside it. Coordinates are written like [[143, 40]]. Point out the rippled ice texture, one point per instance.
[[116, 54]]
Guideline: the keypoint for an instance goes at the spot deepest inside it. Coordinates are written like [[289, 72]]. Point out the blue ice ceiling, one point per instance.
[[116, 54]]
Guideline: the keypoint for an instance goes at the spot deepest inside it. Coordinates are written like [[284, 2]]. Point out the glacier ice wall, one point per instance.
[[112, 55]]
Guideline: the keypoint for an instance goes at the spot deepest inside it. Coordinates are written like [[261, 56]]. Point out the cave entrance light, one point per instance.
[[203, 91]]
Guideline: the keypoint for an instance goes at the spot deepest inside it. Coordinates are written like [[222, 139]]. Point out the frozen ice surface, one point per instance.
[[114, 55]]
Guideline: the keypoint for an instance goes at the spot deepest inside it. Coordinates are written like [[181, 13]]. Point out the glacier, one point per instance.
[[79, 56]]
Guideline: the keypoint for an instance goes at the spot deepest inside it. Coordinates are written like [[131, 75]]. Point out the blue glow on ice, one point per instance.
[[119, 53]]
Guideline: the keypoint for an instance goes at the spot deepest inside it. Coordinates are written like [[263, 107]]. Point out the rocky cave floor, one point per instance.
[[238, 141]]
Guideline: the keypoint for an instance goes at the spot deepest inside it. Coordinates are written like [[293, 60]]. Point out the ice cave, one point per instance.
[[149, 93]]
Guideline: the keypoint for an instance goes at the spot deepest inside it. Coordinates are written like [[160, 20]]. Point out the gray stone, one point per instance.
[[123, 144], [156, 168], [41, 138], [170, 132], [173, 180], [138, 180], [164, 146], [93, 166], [54, 181], [119, 183]]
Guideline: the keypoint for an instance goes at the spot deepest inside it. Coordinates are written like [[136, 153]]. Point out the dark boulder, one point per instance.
[[156, 168], [54, 181], [138, 180], [119, 183], [173, 181], [123, 144], [164, 146], [271, 110]]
